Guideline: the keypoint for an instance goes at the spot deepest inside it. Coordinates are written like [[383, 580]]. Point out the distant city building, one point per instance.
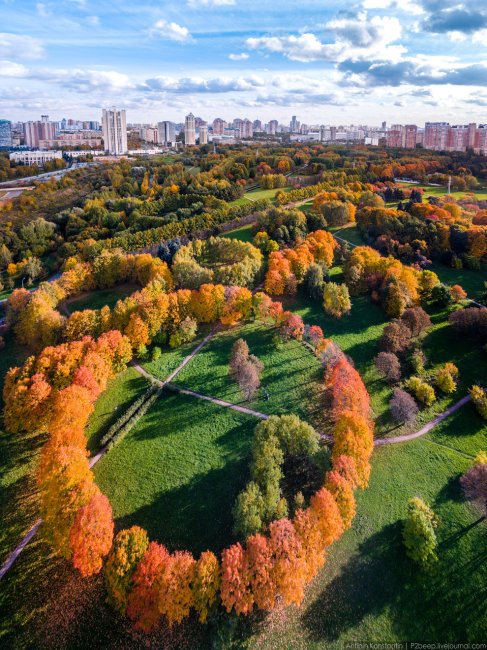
[[34, 157], [114, 125], [189, 130], [271, 128], [411, 132], [396, 136], [257, 125], [149, 134], [5, 133], [203, 134], [167, 133], [35, 131], [294, 125], [436, 135], [245, 129], [86, 139], [219, 126]]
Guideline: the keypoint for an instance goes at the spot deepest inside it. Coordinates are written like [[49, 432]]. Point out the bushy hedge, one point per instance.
[[132, 415]]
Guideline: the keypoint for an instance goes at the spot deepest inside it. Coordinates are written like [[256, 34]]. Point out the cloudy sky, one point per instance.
[[397, 60]]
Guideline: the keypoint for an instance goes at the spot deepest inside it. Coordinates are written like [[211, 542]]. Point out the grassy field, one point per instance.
[[369, 590], [264, 194], [178, 472], [292, 375], [435, 190], [358, 335], [244, 233], [102, 297]]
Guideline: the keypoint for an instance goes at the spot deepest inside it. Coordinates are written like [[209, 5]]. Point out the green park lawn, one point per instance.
[[102, 297], [369, 589], [291, 381], [178, 472], [256, 195], [244, 233], [358, 335]]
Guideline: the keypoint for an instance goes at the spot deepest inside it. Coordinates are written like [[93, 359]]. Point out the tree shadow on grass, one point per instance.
[[195, 516], [444, 602]]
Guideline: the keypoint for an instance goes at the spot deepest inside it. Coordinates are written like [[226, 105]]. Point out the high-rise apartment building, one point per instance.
[[245, 129], [114, 126], [35, 131], [294, 124], [272, 127], [396, 136], [5, 133], [436, 135], [167, 133], [257, 125], [411, 131], [189, 130], [203, 131], [219, 126]]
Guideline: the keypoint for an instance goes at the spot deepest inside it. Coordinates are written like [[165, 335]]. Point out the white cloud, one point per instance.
[[93, 20], [12, 69], [355, 37], [14, 46], [172, 31], [406, 6], [238, 57], [202, 85]]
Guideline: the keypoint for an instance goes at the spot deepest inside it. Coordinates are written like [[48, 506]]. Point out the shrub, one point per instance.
[[336, 299], [474, 484], [457, 293], [396, 337], [403, 407], [422, 391], [314, 281], [156, 353], [185, 333], [445, 378], [470, 322], [479, 398], [389, 366], [441, 295], [419, 532], [417, 320], [249, 511]]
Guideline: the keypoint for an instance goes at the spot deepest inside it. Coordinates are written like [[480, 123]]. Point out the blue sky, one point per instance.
[[327, 62]]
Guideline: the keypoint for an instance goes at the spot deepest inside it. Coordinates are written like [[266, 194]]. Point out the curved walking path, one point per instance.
[[427, 427]]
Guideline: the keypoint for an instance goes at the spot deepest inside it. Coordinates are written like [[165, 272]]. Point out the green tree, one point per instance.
[[419, 532]]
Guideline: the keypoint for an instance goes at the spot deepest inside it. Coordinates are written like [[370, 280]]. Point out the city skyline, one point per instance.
[[221, 57]]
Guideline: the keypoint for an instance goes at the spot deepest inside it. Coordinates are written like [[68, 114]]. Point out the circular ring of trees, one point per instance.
[[217, 260]]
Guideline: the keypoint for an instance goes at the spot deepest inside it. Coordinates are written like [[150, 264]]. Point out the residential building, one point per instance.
[[272, 127], [86, 139], [203, 132], [411, 132], [219, 126], [39, 130], [189, 130], [436, 135], [167, 133], [257, 125], [5, 133], [294, 125], [114, 125], [245, 129], [396, 136]]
